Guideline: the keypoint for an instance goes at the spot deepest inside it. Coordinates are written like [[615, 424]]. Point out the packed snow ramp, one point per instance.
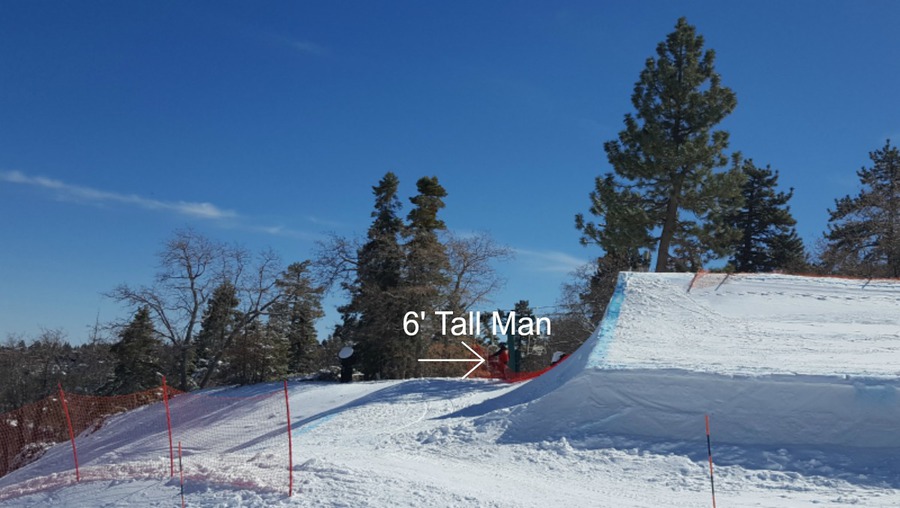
[[775, 360]]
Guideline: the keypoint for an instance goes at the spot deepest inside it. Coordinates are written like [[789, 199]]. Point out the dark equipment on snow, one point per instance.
[[347, 361]]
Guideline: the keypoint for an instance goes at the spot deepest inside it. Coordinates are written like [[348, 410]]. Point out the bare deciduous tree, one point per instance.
[[189, 272], [257, 289], [472, 277], [191, 267], [336, 260]]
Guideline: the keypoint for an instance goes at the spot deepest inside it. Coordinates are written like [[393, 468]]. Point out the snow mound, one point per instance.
[[776, 361]]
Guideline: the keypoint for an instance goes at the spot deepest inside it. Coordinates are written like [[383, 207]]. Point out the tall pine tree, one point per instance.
[[426, 279], [426, 257], [664, 192], [372, 320], [768, 240], [864, 231]]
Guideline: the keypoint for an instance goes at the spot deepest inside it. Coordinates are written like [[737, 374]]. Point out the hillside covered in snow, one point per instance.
[[799, 377]]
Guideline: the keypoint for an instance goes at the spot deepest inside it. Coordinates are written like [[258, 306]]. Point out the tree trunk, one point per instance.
[[185, 356], [668, 231]]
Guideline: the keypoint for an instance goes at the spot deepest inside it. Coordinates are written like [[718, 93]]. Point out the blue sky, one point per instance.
[[268, 123]]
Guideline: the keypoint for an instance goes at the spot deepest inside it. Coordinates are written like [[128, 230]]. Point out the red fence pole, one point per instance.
[[165, 388], [709, 451], [700, 273], [287, 407], [62, 399]]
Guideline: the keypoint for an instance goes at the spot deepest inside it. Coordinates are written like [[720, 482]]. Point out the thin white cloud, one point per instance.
[[197, 210], [552, 261], [310, 48], [324, 222], [286, 232], [201, 210], [306, 47]]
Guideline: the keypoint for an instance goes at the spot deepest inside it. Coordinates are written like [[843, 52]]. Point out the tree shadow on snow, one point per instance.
[[414, 390]]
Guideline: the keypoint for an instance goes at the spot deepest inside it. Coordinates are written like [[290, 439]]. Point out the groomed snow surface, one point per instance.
[[800, 378]]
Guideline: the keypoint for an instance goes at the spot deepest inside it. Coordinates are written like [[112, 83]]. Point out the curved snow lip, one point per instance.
[[607, 327], [589, 355]]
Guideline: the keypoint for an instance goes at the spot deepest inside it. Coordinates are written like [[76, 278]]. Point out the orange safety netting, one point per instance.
[[27, 432], [236, 437], [491, 369]]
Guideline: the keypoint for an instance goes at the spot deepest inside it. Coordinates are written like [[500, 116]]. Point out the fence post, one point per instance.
[[165, 388], [287, 407], [700, 273], [65, 406], [709, 451]]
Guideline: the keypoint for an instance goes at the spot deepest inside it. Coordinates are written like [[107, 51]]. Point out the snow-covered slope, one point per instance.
[[799, 376]]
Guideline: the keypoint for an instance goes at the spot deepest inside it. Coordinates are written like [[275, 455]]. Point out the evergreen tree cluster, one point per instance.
[[670, 198], [863, 237], [30, 369], [672, 195], [768, 240], [666, 192], [282, 341], [218, 315], [407, 266]]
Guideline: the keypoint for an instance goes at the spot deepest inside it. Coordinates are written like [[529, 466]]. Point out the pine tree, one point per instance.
[[256, 354], [864, 231], [768, 240], [372, 320], [426, 258], [294, 316], [426, 276], [664, 192], [136, 355], [219, 321], [623, 232]]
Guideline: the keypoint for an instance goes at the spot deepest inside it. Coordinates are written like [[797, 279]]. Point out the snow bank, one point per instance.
[[760, 410], [775, 360]]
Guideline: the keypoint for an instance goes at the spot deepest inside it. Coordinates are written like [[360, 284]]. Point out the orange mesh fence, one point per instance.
[[236, 437], [516, 377], [492, 369], [28, 432]]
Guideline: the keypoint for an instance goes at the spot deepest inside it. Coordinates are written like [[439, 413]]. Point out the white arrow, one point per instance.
[[480, 360]]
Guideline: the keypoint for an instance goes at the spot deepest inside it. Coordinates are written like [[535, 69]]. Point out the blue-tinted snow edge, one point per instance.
[[608, 325]]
